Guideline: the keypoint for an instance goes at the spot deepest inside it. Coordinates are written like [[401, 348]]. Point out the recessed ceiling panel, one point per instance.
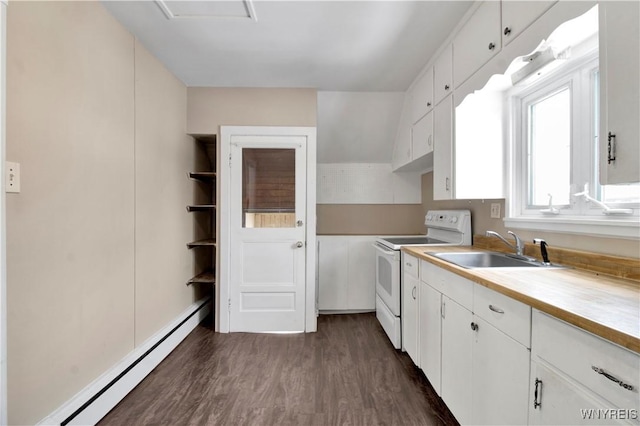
[[176, 9]]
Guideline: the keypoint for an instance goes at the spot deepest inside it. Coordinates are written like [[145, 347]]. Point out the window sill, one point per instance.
[[628, 227]]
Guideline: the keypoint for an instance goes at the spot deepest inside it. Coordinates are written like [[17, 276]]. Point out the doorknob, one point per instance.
[[299, 244], [299, 223]]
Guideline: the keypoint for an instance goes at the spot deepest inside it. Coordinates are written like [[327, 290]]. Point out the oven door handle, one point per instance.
[[383, 249]]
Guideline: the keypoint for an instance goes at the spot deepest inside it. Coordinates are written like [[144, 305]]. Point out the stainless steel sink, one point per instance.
[[485, 260]]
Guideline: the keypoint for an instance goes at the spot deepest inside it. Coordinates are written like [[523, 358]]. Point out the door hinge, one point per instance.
[[229, 305], [229, 160]]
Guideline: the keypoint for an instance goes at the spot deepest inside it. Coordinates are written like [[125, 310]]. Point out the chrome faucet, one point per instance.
[[518, 247]]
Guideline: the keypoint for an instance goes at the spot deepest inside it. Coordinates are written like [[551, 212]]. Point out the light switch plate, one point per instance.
[[495, 210], [12, 177]]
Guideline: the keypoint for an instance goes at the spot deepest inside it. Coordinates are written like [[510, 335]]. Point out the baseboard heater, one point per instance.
[[109, 389]]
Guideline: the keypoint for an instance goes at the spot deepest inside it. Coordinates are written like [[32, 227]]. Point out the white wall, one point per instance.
[[357, 127]]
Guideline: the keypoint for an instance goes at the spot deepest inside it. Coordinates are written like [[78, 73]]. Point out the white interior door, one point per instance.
[[268, 238]]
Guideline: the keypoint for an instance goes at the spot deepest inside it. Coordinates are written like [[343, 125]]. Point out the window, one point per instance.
[[555, 155]]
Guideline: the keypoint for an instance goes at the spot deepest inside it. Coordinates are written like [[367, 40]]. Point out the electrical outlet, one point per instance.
[[12, 177], [495, 210]]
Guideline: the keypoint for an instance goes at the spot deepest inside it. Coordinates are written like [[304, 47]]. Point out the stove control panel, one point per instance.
[[457, 220]]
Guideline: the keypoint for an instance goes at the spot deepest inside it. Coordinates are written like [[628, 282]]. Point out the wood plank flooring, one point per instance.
[[346, 373]]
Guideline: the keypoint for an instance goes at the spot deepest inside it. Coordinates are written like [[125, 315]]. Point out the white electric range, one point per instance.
[[444, 228]]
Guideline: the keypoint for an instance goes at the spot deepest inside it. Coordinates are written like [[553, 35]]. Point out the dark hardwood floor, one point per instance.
[[346, 373]]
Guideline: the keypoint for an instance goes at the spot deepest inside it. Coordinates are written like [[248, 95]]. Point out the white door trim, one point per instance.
[[224, 213]]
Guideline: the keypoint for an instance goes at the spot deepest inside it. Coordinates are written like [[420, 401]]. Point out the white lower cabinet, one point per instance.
[[494, 360], [500, 375], [478, 364], [430, 313], [555, 400], [346, 273], [410, 283], [457, 346], [580, 378]]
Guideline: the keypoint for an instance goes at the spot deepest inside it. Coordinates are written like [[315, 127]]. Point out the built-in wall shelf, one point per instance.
[[206, 277], [201, 208], [203, 176], [204, 200], [209, 242]]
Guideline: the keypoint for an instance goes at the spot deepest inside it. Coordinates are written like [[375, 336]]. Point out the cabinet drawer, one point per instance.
[[576, 353], [452, 285], [410, 265], [506, 314]]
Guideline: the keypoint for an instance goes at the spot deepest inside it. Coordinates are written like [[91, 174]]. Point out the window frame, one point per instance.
[[579, 216]]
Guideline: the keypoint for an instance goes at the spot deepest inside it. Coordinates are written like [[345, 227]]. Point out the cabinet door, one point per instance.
[[500, 377], [410, 316], [422, 137], [443, 74], [518, 15], [561, 402], [442, 152], [457, 346], [422, 96], [429, 318], [361, 278], [620, 91], [402, 145], [477, 42], [333, 270]]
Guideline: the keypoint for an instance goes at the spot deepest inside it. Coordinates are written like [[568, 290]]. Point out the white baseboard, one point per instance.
[[121, 386]]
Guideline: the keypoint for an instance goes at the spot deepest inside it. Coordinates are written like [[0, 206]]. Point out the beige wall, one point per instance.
[[96, 257], [370, 219], [163, 156], [482, 221], [208, 108]]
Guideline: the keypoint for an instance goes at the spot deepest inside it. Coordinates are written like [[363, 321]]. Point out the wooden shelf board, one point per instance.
[[206, 277], [209, 242], [204, 138], [201, 208], [203, 176]]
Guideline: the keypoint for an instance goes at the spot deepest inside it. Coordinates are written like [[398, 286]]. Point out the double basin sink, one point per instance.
[[481, 259]]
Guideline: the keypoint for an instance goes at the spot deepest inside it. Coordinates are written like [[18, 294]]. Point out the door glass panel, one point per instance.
[[268, 188]]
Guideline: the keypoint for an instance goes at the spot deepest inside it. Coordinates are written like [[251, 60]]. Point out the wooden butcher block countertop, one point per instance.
[[604, 305]]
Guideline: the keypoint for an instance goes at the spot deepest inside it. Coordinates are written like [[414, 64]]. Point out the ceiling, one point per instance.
[[328, 45]]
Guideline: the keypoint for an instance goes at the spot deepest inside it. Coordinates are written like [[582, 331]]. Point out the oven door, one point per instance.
[[388, 277]]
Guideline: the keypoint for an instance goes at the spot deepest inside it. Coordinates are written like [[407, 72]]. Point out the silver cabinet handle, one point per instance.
[[299, 223], [446, 184], [413, 293], [299, 244], [442, 306], [612, 378], [496, 309]]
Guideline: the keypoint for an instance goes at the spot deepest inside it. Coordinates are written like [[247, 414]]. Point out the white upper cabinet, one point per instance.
[[477, 42], [619, 92], [443, 74], [402, 145], [442, 150], [422, 136], [422, 96], [518, 15]]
